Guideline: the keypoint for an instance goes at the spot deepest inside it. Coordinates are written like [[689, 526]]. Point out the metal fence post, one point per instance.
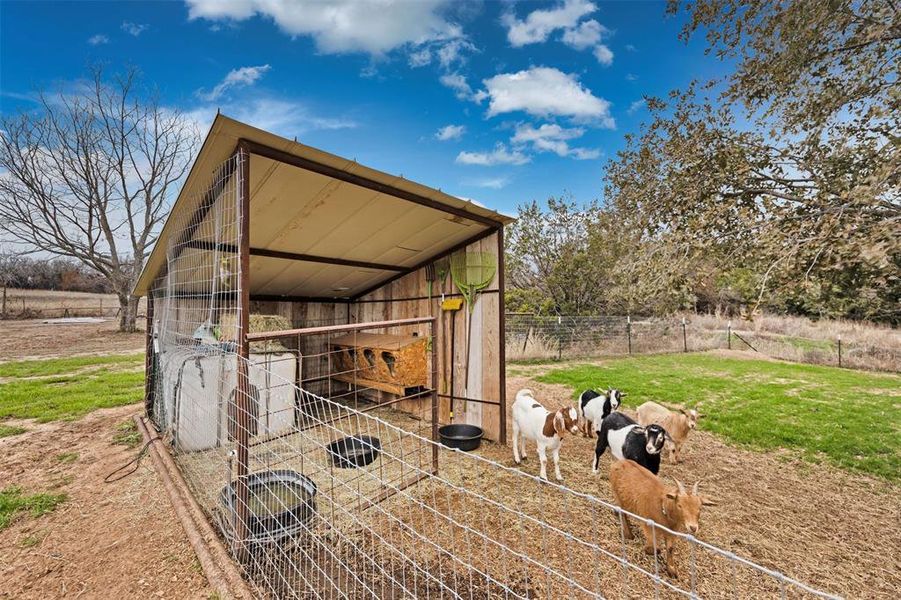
[[684, 337], [629, 331], [729, 335], [559, 338], [839, 351]]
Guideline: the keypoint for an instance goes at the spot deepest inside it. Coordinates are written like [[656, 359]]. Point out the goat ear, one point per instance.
[[559, 423], [706, 501]]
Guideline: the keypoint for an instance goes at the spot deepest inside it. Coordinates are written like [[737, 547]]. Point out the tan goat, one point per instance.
[[677, 424], [640, 492]]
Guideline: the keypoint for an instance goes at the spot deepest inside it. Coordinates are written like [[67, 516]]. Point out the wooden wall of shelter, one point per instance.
[[407, 297]]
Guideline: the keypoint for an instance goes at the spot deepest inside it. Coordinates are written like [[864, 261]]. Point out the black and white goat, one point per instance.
[[593, 407], [629, 440]]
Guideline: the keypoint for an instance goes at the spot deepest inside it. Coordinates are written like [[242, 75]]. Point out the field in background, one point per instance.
[[34, 304], [838, 343], [849, 418]]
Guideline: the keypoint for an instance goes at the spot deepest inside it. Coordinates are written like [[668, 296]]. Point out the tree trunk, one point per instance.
[[128, 313]]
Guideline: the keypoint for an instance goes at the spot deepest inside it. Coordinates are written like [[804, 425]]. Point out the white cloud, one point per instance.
[[494, 183], [603, 54], [453, 51], [636, 106], [341, 26], [553, 138], [96, 40], [450, 132], [527, 133], [499, 156], [420, 58], [284, 117], [631, 77], [540, 24], [543, 91], [449, 53], [461, 88], [241, 77], [134, 29], [585, 153], [588, 33], [631, 48]]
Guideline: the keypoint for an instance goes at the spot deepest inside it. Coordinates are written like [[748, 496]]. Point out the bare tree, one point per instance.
[[90, 174]]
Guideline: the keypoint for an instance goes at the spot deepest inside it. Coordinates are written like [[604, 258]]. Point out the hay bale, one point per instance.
[[228, 326]]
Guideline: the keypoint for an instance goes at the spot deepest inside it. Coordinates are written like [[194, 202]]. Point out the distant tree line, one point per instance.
[[54, 274], [776, 187]]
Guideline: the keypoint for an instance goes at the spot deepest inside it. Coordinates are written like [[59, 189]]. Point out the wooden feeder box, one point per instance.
[[390, 363]]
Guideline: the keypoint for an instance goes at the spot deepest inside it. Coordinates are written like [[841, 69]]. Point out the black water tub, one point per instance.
[[282, 503], [354, 452], [461, 436]]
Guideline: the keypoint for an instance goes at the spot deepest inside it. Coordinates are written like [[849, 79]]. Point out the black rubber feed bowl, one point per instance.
[[281, 502], [354, 452], [462, 437]]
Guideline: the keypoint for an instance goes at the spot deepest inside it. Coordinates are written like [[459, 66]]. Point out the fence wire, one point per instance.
[[347, 493], [541, 337]]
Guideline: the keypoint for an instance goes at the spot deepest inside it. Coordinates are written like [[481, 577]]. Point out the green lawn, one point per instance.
[[13, 502], [851, 418], [68, 388]]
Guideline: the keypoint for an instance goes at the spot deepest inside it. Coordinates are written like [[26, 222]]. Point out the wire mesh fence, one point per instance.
[[314, 452], [540, 337], [31, 305]]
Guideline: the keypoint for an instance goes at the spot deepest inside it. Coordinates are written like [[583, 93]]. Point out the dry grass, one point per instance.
[[863, 345], [852, 332], [31, 304]]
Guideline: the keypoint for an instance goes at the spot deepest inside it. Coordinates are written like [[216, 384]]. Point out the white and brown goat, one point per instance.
[[532, 421], [678, 424], [640, 492]]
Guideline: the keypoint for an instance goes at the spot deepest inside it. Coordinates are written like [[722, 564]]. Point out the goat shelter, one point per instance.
[[313, 325]]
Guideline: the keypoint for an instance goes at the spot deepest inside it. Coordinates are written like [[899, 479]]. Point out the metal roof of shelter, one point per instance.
[[322, 226]]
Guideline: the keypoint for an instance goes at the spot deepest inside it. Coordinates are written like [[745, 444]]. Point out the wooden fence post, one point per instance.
[[684, 337], [839, 351]]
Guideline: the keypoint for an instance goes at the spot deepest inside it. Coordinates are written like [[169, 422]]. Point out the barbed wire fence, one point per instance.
[[531, 337], [314, 452]]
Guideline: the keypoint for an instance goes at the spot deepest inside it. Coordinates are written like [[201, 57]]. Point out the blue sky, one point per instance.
[[500, 102]]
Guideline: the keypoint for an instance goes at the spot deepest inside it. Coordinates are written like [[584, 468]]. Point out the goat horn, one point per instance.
[[681, 487], [694, 490]]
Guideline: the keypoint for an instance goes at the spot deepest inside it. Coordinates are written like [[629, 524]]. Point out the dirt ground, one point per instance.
[[116, 540], [832, 529], [823, 526], [35, 339]]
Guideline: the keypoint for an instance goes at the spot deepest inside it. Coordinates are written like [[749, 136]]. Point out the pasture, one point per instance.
[[849, 418]]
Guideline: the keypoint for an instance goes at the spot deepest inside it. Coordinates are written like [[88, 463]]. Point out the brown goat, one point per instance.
[[677, 424], [640, 492]]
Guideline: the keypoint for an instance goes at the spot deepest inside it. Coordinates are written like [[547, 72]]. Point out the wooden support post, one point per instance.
[[684, 337], [242, 412], [434, 384], [148, 360], [729, 335], [839, 351], [502, 337]]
